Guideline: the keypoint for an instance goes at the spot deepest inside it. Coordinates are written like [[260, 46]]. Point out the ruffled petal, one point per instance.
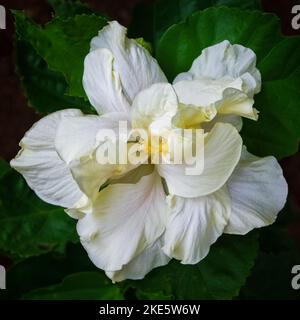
[[195, 224], [91, 175], [135, 66], [212, 99], [203, 92], [143, 263], [43, 169], [192, 117], [232, 119], [102, 83], [77, 136], [155, 105], [78, 141], [126, 219], [258, 192], [235, 102], [224, 60], [222, 151]]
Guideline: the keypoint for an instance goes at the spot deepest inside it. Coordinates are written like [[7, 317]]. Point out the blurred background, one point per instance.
[[16, 116]]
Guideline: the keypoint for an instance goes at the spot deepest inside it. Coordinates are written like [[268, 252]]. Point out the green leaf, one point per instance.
[[183, 42], [63, 44], [286, 56], [67, 8], [169, 12], [152, 20], [45, 270], [219, 276], [45, 89], [277, 130], [29, 226], [82, 286]]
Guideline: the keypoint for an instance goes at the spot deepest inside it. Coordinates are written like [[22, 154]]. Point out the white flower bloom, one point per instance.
[[130, 220]]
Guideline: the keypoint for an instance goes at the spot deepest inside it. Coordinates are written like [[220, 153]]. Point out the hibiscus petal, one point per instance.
[[224, 60], [232, 119], [222, 151], [236, 102], [195, 224], [202, 92], [132, 62], [135, 175], [126, 219], [143, 263], [77, 142], [157, 104], [258, 191], [91, 175], [38, 161], [190, 116], [77, 136], [102, 83], [225, 97]]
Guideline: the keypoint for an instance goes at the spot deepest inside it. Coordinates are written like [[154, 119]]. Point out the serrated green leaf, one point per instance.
[[277, 132], [29, 226], [81, 286], [183, 42], [45, 89], [219, 276], [63, 44], [170, 12]]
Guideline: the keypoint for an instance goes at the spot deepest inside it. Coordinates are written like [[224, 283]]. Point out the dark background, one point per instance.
[[16, 116]]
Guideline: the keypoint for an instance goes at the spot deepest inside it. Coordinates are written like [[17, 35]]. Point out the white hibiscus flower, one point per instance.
[[130, 220]]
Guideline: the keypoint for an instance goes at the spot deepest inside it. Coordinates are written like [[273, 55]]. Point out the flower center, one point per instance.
[[157, 145]]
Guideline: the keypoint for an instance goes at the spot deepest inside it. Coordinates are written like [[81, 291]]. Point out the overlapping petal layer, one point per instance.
[[195, 224], [126, 220], [40, 164], [122, 62], [222, 150], [258, 191]]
